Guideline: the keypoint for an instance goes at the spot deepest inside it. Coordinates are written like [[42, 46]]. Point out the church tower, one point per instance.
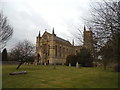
[[88, 39], [52, 47], [38, 38], [37, 53]]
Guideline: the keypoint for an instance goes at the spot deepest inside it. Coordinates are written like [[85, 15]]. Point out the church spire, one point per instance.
[[38, 39], [53, 31], [45, 30]]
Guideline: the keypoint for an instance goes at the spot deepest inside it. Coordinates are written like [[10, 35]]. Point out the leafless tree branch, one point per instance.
[[6, 30]]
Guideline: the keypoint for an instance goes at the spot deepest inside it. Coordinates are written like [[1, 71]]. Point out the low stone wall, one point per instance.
[[9, 62]]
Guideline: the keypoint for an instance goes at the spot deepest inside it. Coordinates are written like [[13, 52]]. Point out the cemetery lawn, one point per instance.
[[61, 77]]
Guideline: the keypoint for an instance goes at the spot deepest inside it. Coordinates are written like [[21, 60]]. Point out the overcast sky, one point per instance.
[[27, 17]]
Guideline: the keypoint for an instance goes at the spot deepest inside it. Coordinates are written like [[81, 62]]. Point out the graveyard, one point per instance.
[[58, 77], [60, 43]]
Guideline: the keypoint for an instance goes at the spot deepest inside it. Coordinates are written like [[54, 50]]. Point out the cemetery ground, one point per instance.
[[61, 77]]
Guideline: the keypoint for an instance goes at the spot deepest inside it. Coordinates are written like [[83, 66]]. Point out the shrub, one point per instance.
[[117, 67], [85, 58], [72, 59]]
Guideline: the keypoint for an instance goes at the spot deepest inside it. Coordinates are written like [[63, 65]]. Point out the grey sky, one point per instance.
[[29, 16]]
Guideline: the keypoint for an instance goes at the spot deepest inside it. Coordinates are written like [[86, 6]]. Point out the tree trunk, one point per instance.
[[105, 66], [19, 65]]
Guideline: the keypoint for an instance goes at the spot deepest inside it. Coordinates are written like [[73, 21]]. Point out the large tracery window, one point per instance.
[[44, 47], [48, 50], [63, 52], [67, 51]]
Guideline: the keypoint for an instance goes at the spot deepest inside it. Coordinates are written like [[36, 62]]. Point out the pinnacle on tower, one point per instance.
[[39, 34], [84, 28], [45, 30], [53, 31], [90, 28], [73, 42]]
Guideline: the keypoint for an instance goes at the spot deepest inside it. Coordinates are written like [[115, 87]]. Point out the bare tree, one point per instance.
[[105, 23], [23, 52], [80, 36], [6, 30]]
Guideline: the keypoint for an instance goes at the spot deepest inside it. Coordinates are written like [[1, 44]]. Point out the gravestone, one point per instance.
[[77, 65], [45, 64], [17, 73], [54, 66], [69, 65]]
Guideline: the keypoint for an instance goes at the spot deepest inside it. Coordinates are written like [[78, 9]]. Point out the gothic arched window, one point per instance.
[[48, 50], [60, 51], [55, 50]]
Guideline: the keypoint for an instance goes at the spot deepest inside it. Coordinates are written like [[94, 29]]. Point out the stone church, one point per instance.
[[51, 49]]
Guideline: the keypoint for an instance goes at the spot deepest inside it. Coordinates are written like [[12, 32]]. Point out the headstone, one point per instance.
[[17, 73], [39, 62], [45, 64], [69, 65], [77, 65], [36, 63], [54, 65]]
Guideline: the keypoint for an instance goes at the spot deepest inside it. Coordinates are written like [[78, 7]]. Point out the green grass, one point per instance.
[[61, 77]]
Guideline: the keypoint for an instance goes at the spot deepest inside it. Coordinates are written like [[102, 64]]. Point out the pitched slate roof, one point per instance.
[[58, 39], [62, 40]]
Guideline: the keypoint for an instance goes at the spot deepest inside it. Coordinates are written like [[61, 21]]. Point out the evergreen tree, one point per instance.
[[85, 58], [4, 55], [72, 59]]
